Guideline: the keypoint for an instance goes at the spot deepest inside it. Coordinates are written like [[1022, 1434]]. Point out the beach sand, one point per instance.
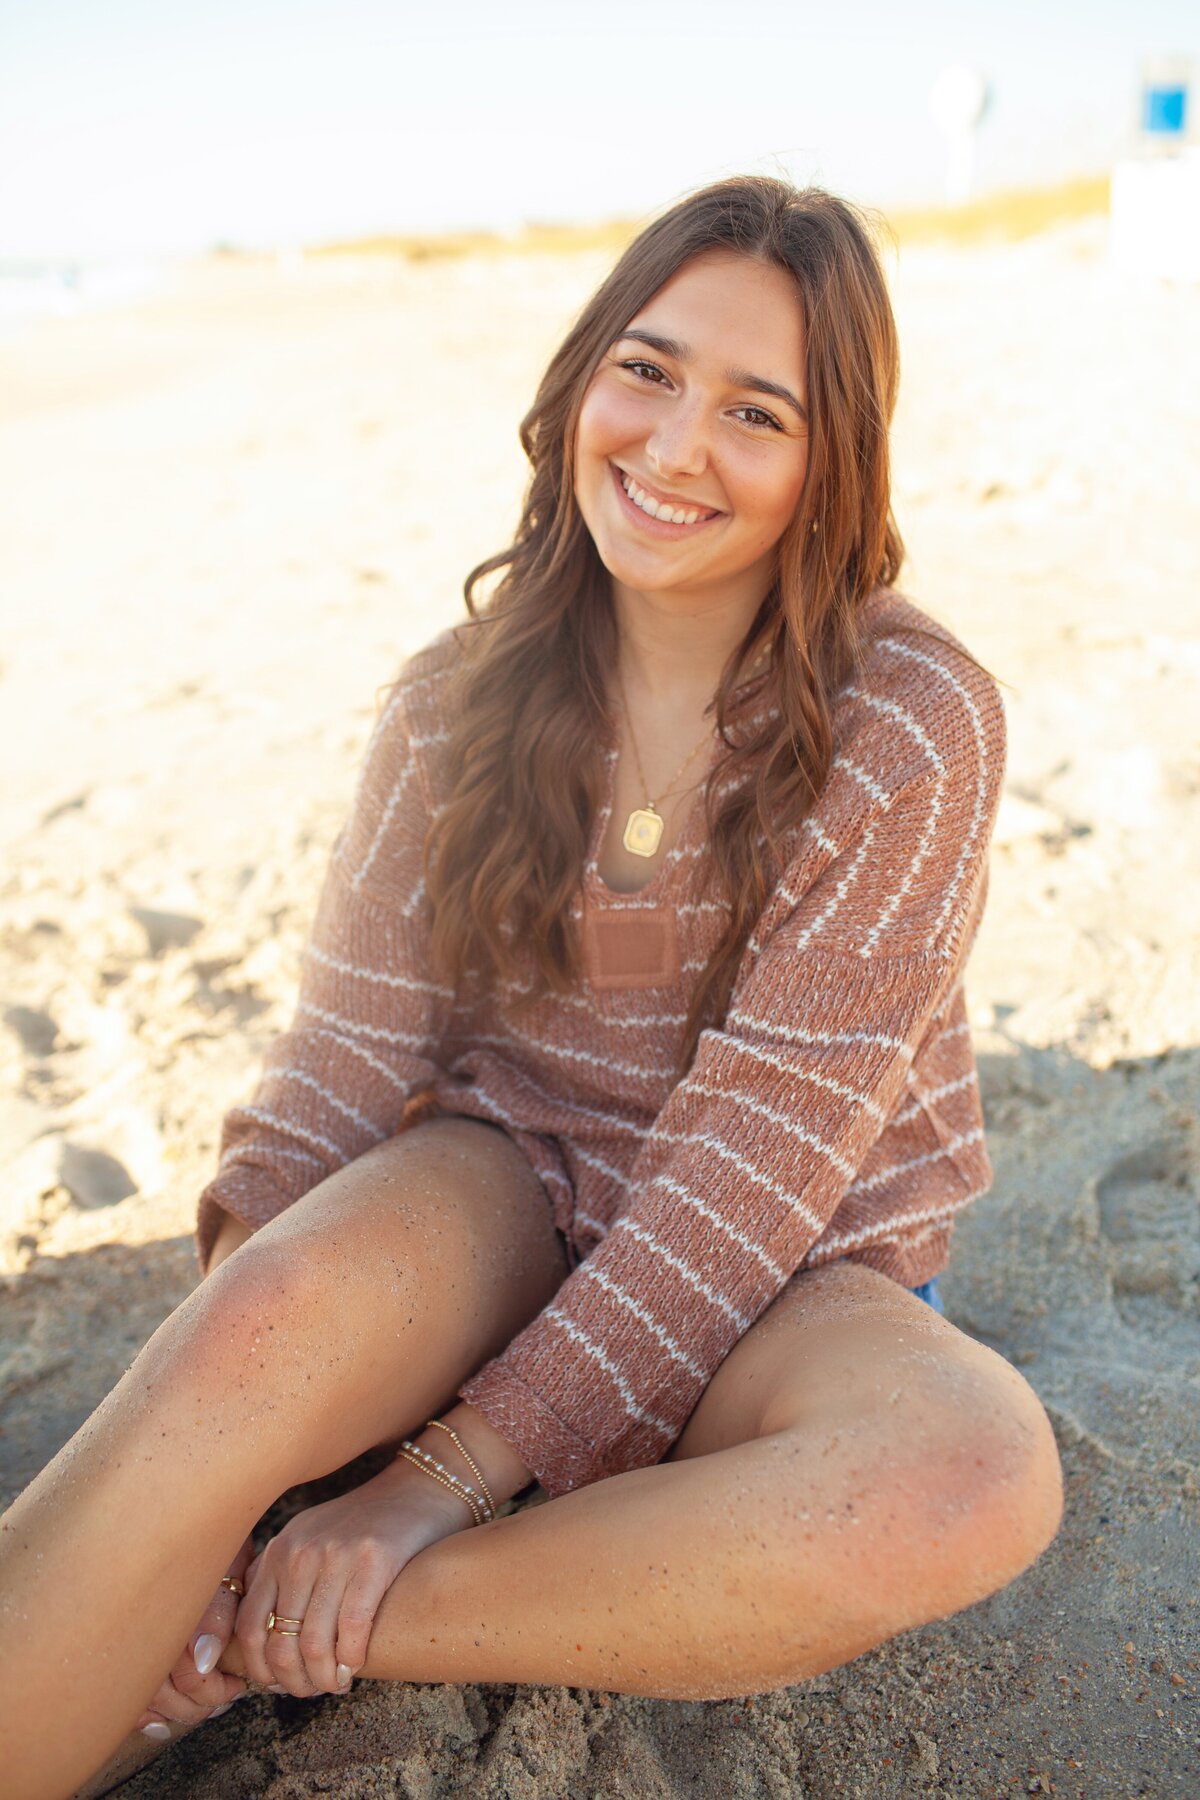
[[228, 514]]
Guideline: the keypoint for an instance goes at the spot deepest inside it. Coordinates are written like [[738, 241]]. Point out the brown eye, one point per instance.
[[637, 363]]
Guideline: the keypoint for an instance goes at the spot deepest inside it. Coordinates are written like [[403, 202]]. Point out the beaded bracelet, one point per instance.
[[446, 1480], [467, 1458], [481, 1509]]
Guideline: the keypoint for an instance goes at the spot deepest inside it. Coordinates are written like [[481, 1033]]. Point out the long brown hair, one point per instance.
[[528, 708]]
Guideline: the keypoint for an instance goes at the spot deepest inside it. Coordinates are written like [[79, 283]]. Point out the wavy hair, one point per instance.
[[528, 713]]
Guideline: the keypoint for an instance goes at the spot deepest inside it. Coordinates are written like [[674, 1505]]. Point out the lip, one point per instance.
[[657, 527]]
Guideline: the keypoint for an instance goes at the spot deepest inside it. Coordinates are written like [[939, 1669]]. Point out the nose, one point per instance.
[[678, 445]]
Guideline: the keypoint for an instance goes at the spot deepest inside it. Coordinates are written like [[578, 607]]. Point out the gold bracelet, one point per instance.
[[469, 1460], [462, 1492], [421, 1459]]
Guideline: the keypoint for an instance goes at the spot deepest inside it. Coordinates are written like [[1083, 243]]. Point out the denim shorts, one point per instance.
[[929, 1291]]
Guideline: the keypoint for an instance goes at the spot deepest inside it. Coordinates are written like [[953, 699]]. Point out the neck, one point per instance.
[[677, 660]]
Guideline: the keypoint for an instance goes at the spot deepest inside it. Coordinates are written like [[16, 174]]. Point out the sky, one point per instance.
[[131, 127]]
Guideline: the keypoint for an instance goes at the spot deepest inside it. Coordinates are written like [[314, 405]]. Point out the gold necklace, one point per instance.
[[645, 824]]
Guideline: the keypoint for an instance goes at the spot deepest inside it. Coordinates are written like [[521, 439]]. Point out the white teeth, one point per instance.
[[675, 515]]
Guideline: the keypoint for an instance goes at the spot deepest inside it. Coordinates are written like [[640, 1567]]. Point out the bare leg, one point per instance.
[[856, 1467], [344, 1323], [781, 1539], [918, 1474]]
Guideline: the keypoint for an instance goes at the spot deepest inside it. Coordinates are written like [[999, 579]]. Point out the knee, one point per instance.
[[249, 1312], [990, 1488]]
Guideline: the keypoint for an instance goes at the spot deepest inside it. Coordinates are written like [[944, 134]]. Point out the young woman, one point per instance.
[[628, 1105]]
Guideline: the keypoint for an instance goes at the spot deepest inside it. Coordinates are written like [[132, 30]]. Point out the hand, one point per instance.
[[330, 1567], [188, 1696]]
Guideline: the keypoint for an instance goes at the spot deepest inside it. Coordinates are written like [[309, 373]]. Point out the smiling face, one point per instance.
[[710, 418]]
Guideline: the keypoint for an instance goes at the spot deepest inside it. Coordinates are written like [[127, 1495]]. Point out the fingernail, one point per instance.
[[344, 1673], [272, 1689], [218, 1710], [157, 1730], [205, 1655]]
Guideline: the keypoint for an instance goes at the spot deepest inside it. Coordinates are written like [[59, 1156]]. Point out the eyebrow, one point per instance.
[[758, 384]]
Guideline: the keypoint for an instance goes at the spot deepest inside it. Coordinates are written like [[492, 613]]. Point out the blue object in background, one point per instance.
[[928, 1291], [1164, 110]]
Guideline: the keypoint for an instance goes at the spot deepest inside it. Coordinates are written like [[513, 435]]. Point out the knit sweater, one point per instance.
[[835, 1112]]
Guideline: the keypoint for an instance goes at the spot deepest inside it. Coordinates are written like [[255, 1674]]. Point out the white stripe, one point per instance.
[[962, 1029], [887, 1227], [403, 1084], [593, 1224], [648, 1238], [952, 994], [909, 724], [514, 1038], [919, 856], [380, 727], [381, 830], [916, 1162], [350, 1112], [618, 1176], [940, 1093], [612, 1020], [796, 1035], [238, 1154], [409, 1039], [841, 887], [860, 775], [360, 973], [745, 1167], [739, 1237], [808, 1075], [824, 841], [905, 719], [291, 1129], [543, 1101], [610, 1368], [668, 1343], [785, 1122], [930, 662]]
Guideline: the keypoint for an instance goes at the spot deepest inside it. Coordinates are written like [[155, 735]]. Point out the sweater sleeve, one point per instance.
[[745, 1164], [368, 1020]]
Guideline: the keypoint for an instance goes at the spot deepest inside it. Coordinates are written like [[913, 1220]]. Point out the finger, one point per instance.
[[297, 1565], [250, 1626], [219, 1689], [176, 1707], [360, 1603], [318, 1638], [193, 1672], [283, 1651]]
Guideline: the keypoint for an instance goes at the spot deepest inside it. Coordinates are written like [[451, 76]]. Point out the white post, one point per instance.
[[958, 100]]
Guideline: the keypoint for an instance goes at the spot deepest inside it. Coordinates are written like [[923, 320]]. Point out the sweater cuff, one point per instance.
[[561, 1460]]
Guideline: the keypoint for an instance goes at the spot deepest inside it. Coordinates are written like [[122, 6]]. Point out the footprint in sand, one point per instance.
[[1149, 1215]]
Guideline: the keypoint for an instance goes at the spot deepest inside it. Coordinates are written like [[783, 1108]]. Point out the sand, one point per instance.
[[228, 513]]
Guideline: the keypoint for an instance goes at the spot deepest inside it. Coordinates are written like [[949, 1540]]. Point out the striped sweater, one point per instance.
[[835, 1113]]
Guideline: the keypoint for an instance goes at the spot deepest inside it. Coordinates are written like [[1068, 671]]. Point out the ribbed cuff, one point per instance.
[[561, 1460]]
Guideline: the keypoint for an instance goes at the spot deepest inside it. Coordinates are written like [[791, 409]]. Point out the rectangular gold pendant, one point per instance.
[[643, 832]]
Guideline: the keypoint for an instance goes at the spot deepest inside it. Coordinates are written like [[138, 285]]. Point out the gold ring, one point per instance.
[[233, 1584], [277, 1622]]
